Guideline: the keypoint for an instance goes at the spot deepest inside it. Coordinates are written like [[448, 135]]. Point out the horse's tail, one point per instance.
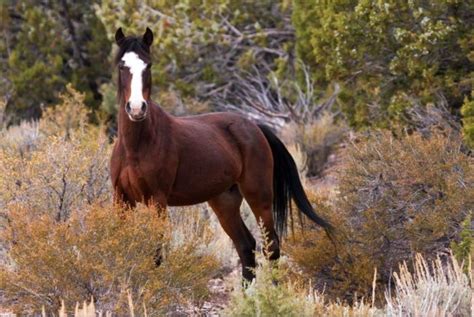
[[287, 185]]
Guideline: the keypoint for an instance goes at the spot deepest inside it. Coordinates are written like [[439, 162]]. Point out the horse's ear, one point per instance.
[[148, 37], [119, 36]]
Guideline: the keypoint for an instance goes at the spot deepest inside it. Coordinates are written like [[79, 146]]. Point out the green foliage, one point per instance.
[[200, 46], [387, 55], [269, 295], [396, 196], [35, 69], [464, 249], [47, 46], [467, 112]]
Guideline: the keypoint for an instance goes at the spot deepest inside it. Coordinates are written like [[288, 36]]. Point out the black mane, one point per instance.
[[132, 44]]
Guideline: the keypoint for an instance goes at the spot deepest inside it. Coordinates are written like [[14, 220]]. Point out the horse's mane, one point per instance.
[[132, 43]]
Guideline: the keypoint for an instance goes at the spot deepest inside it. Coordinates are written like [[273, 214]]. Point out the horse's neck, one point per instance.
[[134, 135]]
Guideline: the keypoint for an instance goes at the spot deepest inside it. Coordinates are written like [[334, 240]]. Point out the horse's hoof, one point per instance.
[[158, 258]]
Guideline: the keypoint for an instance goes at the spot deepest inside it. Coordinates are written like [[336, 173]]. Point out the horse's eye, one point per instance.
[[121, 66], [148, 66]]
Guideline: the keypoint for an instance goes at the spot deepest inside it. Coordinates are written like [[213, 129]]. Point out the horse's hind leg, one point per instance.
[[258, 192], [227, 208], [256, 180]]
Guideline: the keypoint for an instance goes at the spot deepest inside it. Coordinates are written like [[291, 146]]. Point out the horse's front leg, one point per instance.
[[159, 201], [121, 198]]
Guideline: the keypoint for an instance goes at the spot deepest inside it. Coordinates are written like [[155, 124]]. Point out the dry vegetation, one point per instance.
[[397, 195], [432, 288], [394, 76], [62, 240]]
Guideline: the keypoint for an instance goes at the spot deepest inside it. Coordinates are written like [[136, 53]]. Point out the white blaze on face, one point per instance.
[[136, 66]]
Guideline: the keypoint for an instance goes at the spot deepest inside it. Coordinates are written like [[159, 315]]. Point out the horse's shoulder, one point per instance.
[[116, 157], [117, 148]]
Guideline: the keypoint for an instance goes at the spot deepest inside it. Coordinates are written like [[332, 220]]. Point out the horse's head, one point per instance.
[[134, 80]]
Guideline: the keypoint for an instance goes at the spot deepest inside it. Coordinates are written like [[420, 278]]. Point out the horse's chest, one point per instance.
[[135, 183]]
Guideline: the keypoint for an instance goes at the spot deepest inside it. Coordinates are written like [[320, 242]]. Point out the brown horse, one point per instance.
[[220, 158]]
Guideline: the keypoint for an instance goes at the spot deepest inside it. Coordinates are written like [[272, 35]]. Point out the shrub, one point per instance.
[[269, 294], [58, 164], [59, 176], [20, 139], [318, 139], [464, 249], [397, 195], [103, 252], [68, 116], [388, 55]]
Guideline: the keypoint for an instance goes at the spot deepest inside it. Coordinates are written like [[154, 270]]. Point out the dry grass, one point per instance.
[[437, 288]]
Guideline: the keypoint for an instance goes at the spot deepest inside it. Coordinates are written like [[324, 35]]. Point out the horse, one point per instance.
[[220, 158]]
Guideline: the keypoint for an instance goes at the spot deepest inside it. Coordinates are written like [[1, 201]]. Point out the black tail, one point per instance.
[[287, 185]]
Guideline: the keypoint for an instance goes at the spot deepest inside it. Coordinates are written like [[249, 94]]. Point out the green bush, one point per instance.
[[464, 249], [46, 46], [387, 55], [467, 112], [270, 294]]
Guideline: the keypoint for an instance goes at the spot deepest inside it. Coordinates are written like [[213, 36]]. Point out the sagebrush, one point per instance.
[[396, 195]]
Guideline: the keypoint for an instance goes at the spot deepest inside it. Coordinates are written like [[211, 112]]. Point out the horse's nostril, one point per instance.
[[143, 106], [127, 107]]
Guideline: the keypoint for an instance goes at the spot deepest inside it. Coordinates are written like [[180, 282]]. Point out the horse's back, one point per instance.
[[213, 150]]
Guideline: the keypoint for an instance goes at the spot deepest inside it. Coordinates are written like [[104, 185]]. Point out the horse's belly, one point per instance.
[[199, 184], [198, 194]]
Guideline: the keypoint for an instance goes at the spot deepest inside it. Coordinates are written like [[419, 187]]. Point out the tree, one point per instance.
[[388, 55], [201, 48], [47, 45]]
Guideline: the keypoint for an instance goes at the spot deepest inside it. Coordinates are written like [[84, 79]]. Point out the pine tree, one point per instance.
[[48, 44], [388, 55]]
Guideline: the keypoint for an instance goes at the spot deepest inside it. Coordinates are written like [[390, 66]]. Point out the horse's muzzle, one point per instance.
[[136, 113]]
